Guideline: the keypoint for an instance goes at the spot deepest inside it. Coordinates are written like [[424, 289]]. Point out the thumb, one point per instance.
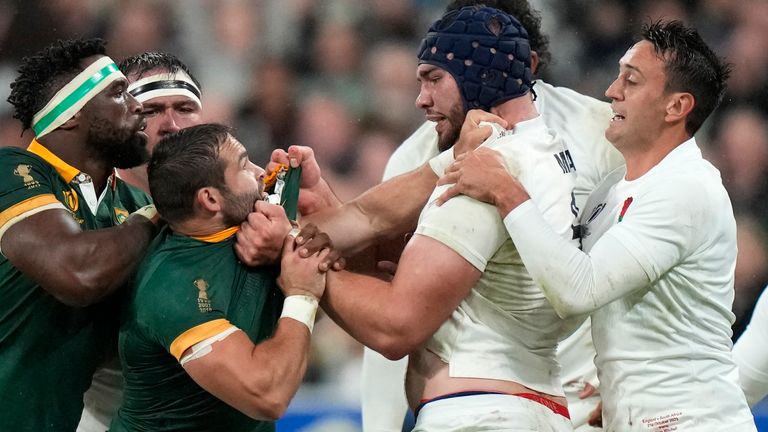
[[270, 211], [289, 243]]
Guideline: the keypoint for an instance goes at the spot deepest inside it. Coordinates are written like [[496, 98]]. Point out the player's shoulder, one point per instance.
[[13, 156], [418, 148], [132, 197], [563, 95], [529, 135]]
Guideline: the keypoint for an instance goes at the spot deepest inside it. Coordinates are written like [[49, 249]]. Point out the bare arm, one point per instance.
[[261, 379], [386, 211], [75, 266], [258, 380], [397, 317]]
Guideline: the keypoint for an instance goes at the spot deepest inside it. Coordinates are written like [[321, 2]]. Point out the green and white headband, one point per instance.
[[165, 84], [73, 96]]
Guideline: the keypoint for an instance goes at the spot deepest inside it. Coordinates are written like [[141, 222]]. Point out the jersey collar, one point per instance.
[[65, 170], [218, 236]]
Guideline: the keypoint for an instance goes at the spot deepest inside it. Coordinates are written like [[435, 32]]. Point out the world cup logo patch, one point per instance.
[[71, 201], [203, 303], [25, 172]]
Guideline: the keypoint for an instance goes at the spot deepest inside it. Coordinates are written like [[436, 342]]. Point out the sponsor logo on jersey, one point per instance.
[[71, 200], [203, 302], [25, 172], [565, 161], [595, 211], [120, 215]]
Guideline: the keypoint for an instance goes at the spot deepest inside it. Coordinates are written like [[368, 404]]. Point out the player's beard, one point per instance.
[[455, 119], [238, 206], [120, 148]]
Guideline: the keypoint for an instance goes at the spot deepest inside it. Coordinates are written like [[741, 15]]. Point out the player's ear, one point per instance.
[[534, 62], [72, 122], [679, 106], [209, 199]]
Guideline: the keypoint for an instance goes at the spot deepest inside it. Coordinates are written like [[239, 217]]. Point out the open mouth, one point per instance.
[[617, 117]]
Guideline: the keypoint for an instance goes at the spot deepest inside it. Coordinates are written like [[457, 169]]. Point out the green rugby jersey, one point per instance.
[[186, 291], [48, 350]]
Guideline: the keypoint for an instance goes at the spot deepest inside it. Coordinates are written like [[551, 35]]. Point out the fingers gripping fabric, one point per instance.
[[485, 50]]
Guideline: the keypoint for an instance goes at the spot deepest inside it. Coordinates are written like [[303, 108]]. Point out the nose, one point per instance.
[[134, 105], [168, 123], [613, 90], [424, 99], [257, 171]]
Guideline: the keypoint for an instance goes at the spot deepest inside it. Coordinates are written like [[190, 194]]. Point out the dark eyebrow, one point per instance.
[[427, 71], [120, 82], [632, 68], [243, 155]]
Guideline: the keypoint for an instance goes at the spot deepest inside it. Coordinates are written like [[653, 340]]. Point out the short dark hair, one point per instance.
[[151, 60], [181, 164], [690, 66], [529, 18], [41, 75]]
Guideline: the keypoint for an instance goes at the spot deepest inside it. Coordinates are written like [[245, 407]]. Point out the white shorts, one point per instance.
[[489, 412]]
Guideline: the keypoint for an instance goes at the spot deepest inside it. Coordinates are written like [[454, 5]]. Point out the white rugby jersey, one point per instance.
[[751, 353], [505, 329], [658, 273], [581, 122]]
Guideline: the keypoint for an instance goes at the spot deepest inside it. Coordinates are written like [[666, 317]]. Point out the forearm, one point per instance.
[[277, 370], [113, 255], [384, 212], [367, 309], [573, 281], [80, 267]]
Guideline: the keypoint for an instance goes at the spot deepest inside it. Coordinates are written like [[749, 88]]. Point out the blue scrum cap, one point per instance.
[[485, 50]]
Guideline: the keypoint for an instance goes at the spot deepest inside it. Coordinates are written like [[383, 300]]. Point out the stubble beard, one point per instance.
[[238, 206], [455, 119], [120, 148]]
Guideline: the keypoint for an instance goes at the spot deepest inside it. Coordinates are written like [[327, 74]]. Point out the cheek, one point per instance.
[[247, 181], [189, 120]]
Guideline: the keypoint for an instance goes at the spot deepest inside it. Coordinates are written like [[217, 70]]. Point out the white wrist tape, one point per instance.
[[441, 162], [148, 211], [301, 308]]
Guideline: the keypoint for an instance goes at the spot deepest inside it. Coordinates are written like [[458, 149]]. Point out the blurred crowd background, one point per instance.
[[339, 76]]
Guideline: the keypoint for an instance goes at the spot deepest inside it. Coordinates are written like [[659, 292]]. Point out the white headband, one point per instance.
[[73, 96], [165, 84]]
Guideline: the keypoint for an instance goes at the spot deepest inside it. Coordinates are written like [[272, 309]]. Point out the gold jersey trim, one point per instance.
[[25, 206], [218, 236], [65, 170], [197, 334], [25, 209]]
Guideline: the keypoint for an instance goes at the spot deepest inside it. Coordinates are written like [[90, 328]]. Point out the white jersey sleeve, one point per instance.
[[473, 229], [417, 149], [751, 353], [663, 225], [629, 255], [581, 282]]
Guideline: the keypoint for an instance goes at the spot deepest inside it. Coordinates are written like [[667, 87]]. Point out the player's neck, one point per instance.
[[72, 149], [135, 177], [642, 157], [200, 226], [516, 110]]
